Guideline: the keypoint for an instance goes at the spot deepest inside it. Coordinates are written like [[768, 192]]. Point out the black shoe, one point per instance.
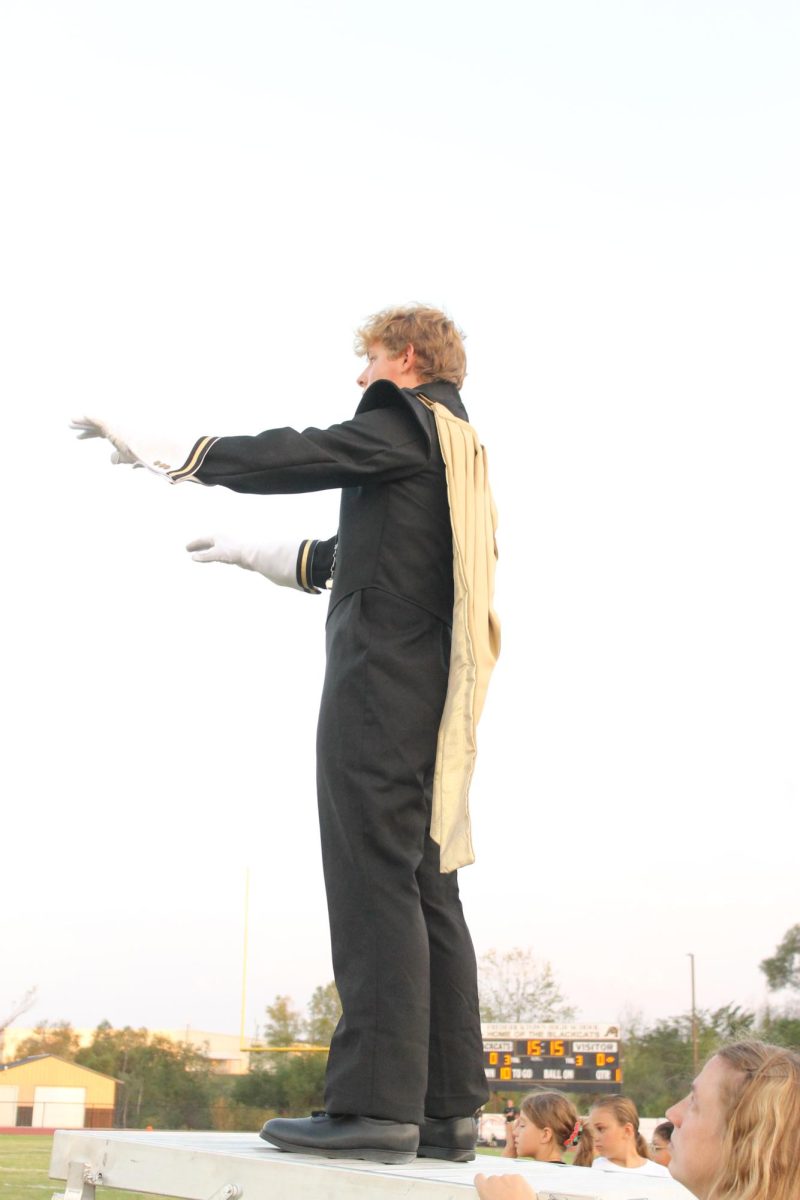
[[453, 1138], [368, 1138]]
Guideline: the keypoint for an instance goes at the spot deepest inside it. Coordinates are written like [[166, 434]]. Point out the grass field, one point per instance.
[[24, 1160]]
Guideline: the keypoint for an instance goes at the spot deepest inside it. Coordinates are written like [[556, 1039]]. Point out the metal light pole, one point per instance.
[[694, 1020]]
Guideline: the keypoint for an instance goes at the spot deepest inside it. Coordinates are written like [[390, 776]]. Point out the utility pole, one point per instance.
[[694, 1020]]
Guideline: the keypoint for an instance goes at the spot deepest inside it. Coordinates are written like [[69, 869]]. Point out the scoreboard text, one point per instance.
[[565, 1064]]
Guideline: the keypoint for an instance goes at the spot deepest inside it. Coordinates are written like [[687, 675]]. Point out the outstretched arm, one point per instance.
[[376, 446], [306, 567]]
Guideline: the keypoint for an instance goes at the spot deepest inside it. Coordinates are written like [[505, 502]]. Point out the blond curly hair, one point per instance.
[[438, 343]]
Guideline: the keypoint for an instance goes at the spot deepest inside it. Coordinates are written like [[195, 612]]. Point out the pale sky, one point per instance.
[[200, 203]]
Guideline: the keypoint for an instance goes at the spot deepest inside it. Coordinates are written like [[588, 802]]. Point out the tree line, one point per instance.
[[171, 1085]]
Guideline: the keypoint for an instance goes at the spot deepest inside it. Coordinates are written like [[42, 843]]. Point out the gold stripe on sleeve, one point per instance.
[[304, 582], [195, 460]]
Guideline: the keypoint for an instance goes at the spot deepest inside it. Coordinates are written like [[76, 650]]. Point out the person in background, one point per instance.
[[547, 1126], [736, 1135], [659, 1147], [617, 1140]]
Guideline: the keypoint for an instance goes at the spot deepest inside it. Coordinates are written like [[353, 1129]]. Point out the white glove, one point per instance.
[[87, 427], [174, 456], [278, 563]]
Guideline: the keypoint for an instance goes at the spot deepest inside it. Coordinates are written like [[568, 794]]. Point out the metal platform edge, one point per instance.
[[230, 1166], [90, 1159]]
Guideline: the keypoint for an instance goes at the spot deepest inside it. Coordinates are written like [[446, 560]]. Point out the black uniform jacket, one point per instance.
[[394, 521]]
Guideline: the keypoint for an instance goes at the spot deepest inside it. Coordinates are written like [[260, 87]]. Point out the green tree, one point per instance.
[[658, 1062], [165, 1084], [305, 1082], [229, 1114], [285, 1024], [730, 1023], [782, 969], [293, 1086], [113, 1051], [176, 1091], [516, 987], [324, 1011], [782, 1028], [291, 1083], [58, 1038]]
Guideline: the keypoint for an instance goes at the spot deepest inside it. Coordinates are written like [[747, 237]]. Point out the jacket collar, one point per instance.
[[383, 392], [443, 393]]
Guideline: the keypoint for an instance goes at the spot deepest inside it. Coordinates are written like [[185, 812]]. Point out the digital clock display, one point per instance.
[[566, 1063]]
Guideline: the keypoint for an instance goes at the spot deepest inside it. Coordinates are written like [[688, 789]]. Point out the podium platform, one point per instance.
[[240, 1166]]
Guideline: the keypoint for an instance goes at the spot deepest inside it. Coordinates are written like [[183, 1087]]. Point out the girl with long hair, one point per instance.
[[618, 1142], [548, 1125], [737, 1133]]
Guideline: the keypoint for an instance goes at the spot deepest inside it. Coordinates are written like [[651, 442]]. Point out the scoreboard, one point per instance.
[[567, 1058]]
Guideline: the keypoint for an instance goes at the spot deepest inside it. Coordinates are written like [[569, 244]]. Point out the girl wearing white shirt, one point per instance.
[[617, 1140]]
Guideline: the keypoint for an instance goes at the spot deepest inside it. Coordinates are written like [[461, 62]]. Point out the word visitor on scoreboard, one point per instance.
[[579, 1058]]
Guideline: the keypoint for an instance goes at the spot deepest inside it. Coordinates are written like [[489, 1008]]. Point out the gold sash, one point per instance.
[[476, 633]]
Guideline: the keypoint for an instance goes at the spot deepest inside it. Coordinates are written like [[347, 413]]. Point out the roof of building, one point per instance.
[[19, 1062]]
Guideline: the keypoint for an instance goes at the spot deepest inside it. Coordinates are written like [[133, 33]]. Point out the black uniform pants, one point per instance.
[[409, 1041]]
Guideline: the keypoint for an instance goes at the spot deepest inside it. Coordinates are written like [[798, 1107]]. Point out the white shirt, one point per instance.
[[647, 1168]]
